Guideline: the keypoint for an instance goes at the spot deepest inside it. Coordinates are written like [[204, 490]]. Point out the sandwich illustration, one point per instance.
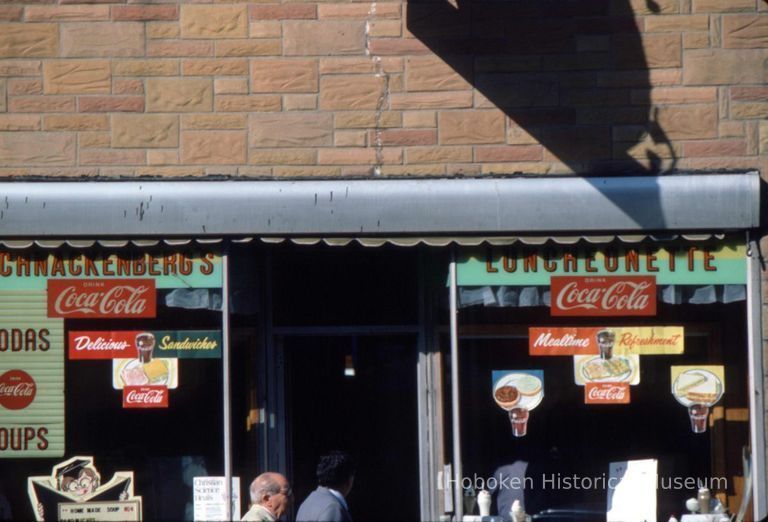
[[697, 387]]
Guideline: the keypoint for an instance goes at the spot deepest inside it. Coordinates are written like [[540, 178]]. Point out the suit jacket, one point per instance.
[[258, 513], [322, 506]]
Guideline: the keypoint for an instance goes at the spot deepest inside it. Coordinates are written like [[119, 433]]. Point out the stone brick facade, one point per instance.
[[125, 88], [259, 89]]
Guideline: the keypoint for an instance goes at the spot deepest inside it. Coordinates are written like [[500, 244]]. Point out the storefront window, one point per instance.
[[549, 419], [137, 342]]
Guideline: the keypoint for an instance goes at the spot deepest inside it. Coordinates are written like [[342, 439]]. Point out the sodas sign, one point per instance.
[[101, 298], [17, 390], [606, 393], [145, 397], [603, 296]]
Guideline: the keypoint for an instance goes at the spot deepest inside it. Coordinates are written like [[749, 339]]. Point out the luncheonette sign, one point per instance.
[[681, 264], [603, 296], [31, 378], [620, 340], [101, 298]]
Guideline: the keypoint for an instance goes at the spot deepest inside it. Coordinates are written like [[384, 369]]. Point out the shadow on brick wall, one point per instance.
[[572, 74]]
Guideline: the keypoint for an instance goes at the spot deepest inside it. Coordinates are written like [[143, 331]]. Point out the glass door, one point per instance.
[[359, 394]]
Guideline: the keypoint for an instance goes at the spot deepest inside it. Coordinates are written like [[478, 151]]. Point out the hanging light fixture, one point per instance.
[[349, 366]]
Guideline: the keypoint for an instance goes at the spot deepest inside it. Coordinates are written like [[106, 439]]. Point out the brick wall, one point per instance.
[[428, 88], [355, 88]]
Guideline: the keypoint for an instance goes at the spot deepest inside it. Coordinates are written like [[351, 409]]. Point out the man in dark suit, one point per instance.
[[335, 476]]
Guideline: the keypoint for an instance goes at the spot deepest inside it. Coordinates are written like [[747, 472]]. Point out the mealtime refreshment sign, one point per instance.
[[624, 340]]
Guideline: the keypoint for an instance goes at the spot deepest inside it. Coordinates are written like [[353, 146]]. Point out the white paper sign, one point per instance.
[[632, 491], [126, 511], [210, 498]]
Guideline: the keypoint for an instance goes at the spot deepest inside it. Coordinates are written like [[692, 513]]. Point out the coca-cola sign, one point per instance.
[[603, 296], [145, 397], [606, 393], [17, 389], [101, 298]]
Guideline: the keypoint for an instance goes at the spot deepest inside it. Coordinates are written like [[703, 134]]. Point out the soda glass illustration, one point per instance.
[[518, 417], [145, 343], [518, 392], [698, 414], [698, 389], [605, 341]]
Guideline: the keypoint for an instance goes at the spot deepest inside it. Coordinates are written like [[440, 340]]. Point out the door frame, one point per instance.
[[270, 372], [279, 454]]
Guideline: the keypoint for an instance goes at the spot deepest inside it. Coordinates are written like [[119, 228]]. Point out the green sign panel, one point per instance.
[[31, 271], [724, 263], [188, 344], [31, 377]]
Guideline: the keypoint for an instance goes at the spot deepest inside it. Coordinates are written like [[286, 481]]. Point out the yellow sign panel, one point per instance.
[[649, 340], [700, 384]]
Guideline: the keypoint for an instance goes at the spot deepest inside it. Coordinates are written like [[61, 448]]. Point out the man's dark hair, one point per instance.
[[335, 469]]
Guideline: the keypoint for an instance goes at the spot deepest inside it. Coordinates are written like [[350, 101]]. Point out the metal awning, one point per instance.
[[436, 241], [380, 208]]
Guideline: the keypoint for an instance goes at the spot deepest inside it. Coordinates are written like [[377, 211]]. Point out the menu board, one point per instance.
[[31, 377]]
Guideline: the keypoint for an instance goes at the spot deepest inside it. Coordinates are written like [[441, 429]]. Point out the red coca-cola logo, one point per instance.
[[145, 397], [17, 389], [101, 298], [603, 296], [606, 393]]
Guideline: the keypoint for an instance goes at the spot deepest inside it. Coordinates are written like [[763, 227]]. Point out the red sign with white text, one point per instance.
[[102, 345], [562, 341], [101, 298], [145, 397], [606, 393], [17, 389], [603, 296]]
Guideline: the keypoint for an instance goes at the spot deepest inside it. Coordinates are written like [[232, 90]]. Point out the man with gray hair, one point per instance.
[[270, 496]]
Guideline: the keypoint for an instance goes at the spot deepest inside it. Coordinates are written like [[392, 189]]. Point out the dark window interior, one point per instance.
[[567, 437]]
